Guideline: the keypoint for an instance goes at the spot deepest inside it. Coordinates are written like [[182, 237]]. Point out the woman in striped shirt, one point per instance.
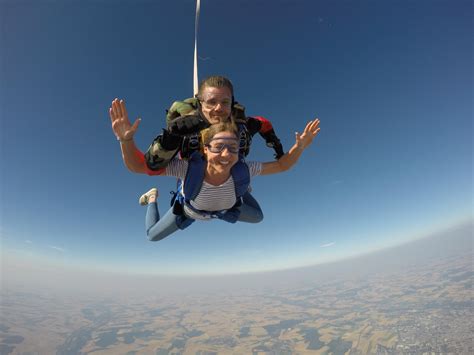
[[217, 194]]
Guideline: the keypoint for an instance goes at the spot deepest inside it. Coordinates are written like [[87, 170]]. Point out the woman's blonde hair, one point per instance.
[[209, 133]]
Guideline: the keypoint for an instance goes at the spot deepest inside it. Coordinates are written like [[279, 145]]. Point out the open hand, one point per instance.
[[310, 132], [121, 126]]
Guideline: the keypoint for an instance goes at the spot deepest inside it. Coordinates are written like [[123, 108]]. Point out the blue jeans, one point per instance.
[[250, 210], [158, 228]]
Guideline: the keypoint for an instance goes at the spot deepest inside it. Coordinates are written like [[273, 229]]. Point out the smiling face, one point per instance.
[[216, 103], [222, 152]]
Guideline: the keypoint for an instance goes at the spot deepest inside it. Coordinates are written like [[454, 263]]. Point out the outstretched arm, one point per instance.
[[264, 127], [124, 131], [289, 159]]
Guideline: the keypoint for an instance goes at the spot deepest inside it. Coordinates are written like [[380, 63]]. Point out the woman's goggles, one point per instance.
[[217, 147]]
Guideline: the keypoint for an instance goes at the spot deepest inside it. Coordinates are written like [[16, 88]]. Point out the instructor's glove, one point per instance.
[[273, 142], [264, 127], [187, 125], [169, 141]]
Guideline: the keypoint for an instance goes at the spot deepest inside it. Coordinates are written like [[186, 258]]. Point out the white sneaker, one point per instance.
[[146, 196]]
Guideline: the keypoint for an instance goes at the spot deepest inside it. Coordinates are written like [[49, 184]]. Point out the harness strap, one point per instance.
[[207, 214], [194, 176], [241, 175], [191, 186]]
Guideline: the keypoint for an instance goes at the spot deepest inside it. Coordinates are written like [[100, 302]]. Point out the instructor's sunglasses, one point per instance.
[[233, 148]]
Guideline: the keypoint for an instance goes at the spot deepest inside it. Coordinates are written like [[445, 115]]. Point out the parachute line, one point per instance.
[[196, 25]]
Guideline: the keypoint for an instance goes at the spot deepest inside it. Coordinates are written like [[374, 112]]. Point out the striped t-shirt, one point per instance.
[[210, 198]]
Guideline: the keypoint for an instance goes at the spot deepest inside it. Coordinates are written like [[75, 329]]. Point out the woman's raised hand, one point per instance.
[[121, 126], [311, 130]]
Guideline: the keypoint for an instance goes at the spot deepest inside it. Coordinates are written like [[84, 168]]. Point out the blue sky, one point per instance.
[[391, 82]]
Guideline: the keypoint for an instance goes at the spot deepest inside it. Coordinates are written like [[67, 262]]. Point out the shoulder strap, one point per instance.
[[238, 113], [194, 176], [241, 175], [245, 139]]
